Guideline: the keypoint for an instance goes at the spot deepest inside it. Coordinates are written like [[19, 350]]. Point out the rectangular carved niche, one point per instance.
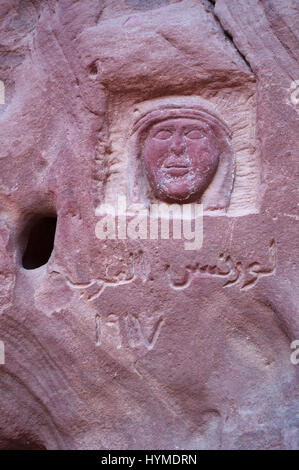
[[234, 106]]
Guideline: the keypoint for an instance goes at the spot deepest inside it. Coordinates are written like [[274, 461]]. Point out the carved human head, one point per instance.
[[181, 149]]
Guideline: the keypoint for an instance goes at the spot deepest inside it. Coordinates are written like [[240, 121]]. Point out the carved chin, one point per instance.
[[179, 192], [182, 189]]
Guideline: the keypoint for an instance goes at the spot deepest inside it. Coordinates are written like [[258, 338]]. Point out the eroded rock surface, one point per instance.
[[140, 343]]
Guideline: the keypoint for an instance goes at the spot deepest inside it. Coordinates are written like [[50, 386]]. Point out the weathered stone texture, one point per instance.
[[126, 344]]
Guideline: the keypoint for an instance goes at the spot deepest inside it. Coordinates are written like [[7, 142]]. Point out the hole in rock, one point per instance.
[[93, 69], [40, 242], [21, 444]]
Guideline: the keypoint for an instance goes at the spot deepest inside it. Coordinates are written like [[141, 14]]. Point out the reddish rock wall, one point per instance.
[[128, 343]]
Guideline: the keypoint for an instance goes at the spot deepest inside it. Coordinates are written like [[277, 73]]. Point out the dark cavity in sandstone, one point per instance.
[[39, 244]]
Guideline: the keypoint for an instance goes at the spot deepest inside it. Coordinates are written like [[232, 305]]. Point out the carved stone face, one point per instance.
[[181, 157]]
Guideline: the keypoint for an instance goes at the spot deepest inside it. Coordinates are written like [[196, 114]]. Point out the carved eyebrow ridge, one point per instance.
[[185, 129]]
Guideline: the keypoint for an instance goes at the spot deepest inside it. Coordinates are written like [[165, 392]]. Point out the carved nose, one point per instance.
[[177, 145]]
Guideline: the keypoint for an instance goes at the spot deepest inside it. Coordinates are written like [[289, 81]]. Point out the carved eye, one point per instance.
[[163, 134], [194, 134]]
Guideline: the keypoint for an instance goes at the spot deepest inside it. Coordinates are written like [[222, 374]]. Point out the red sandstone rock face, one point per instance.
[[140, 343]]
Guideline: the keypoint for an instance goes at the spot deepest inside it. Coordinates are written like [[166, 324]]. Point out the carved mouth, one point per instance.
[[176, 165], [177, 170]]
